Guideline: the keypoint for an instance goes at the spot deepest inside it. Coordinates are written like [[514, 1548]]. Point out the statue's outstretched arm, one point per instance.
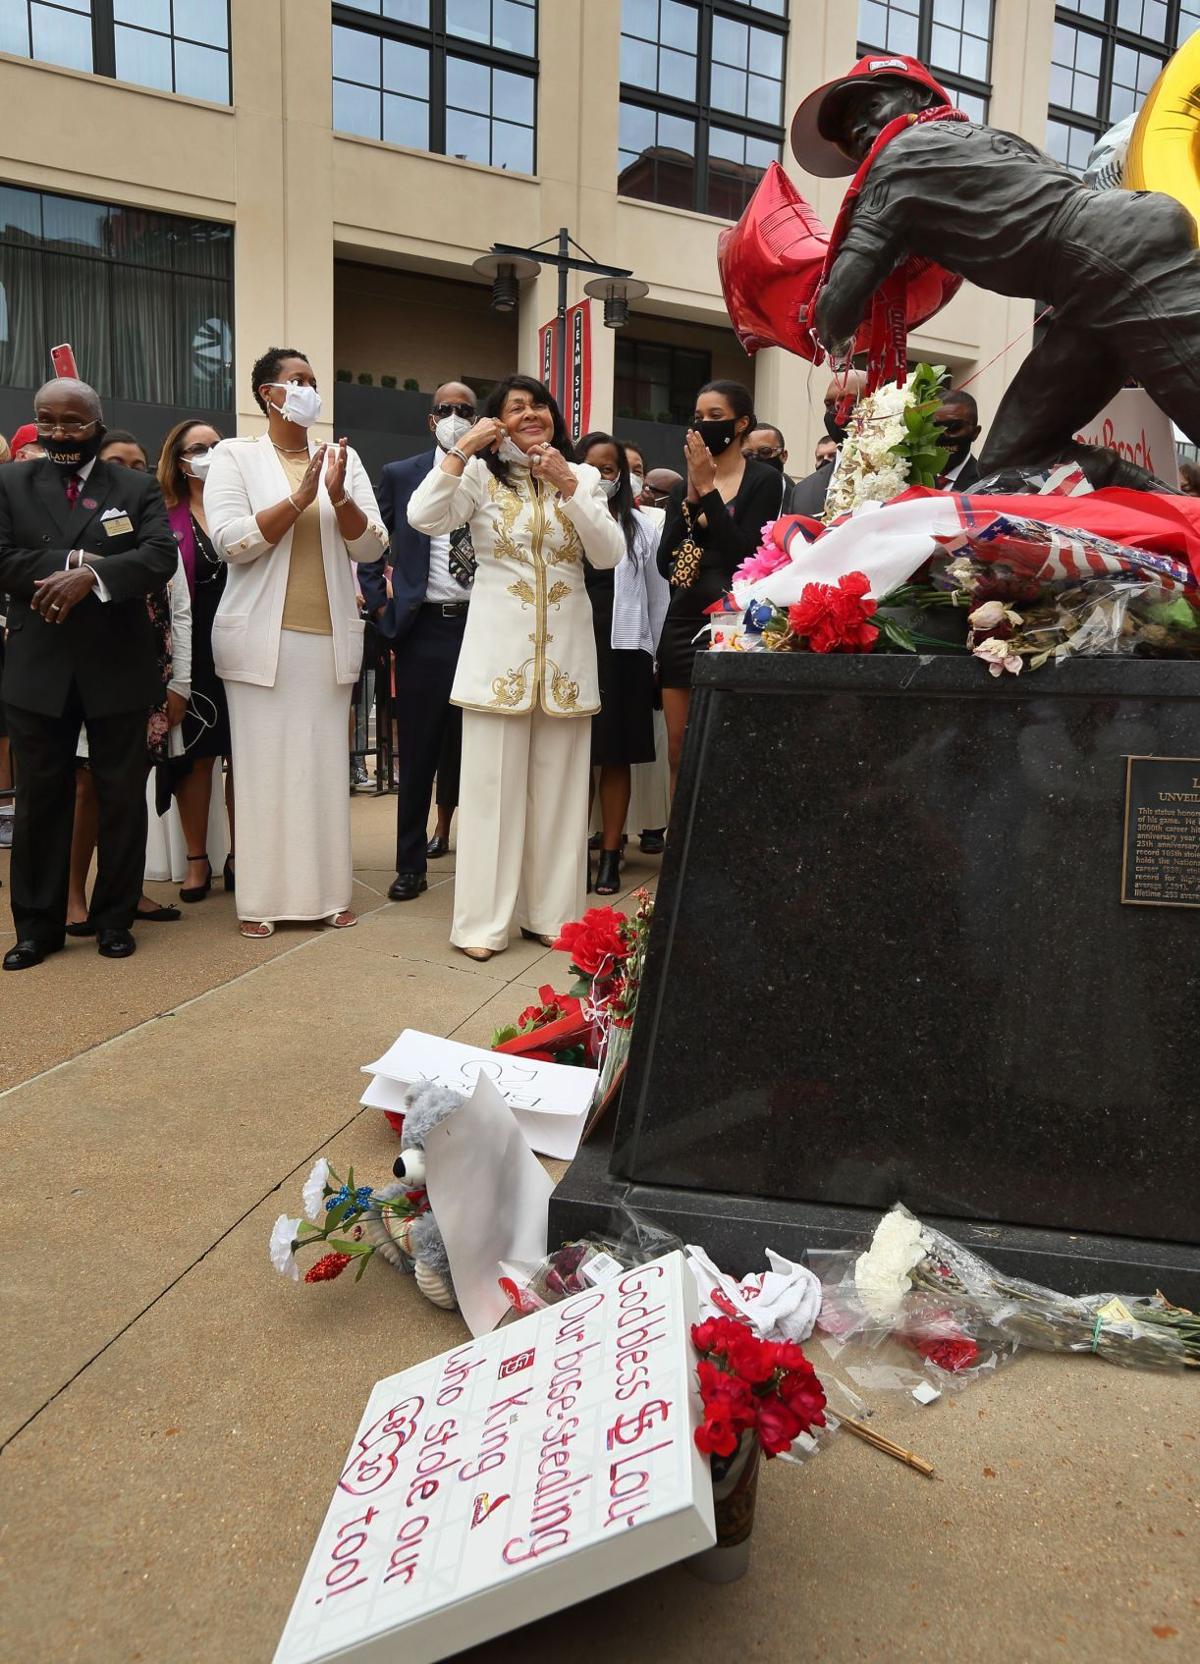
[[843, 302]]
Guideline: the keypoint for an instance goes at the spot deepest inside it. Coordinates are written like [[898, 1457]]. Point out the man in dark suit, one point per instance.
[[425, 617], [958, 419], [81, 546]]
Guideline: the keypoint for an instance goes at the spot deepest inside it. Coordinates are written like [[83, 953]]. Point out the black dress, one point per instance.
[[732, 533], [206, 722], [623, 727]]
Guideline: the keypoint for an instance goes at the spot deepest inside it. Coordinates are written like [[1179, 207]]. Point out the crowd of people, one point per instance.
[[543, 600]]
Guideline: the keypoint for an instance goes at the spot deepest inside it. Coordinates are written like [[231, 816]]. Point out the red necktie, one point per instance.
[[72, 486]]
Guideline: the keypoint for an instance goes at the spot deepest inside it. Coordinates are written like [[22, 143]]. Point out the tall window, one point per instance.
[[145, 299], [455, 76], [176, 45], [954, 37], [655, 382], [701, 100], [1106, 56]]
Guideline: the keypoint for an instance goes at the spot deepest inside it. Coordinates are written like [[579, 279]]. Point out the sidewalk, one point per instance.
[[177, 1414]]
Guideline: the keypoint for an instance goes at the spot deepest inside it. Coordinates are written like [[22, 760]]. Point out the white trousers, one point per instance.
[[522, 826], [291, 745]]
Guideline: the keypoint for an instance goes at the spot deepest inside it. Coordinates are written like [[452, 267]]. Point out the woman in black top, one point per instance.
[[722, 507]]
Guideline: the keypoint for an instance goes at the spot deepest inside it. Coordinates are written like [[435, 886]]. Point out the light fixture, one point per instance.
[[506, 273], [616, 293]]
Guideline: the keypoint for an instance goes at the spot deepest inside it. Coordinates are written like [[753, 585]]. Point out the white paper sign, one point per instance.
[[1134, 427], [490, 1196], [511, 1477], [550, 1101]]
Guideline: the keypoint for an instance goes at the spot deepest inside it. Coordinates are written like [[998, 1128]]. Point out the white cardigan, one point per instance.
[[529, 637], [245, 477]]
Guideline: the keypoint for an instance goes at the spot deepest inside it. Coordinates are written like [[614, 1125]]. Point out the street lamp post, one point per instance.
[[507, 266]]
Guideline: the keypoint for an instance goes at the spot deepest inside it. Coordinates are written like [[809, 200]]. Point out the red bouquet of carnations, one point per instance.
[[750, 1384]]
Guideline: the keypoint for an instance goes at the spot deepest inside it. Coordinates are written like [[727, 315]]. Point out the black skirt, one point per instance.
[[623, 727]]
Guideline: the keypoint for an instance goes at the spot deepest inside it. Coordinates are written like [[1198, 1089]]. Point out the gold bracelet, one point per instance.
[[341, 502], [295, 505]]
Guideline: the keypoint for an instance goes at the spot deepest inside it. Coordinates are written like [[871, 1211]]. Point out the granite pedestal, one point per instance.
[[890, 961]]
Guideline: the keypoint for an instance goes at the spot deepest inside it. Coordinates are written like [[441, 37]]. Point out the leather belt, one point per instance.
[[448, 609]]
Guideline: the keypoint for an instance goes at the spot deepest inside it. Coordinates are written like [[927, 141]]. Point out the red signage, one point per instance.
[[576, 406]]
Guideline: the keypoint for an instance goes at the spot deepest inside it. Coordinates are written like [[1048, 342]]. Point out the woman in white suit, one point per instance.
[[290, 516], [526, 677]]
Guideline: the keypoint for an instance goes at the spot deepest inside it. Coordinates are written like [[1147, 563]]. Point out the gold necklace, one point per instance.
[[300, 450]]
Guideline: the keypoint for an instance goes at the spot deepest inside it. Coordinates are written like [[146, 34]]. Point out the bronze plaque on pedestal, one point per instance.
[[1160, 865]]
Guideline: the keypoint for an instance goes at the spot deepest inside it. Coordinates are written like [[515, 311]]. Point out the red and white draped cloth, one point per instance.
[[1051, 538]]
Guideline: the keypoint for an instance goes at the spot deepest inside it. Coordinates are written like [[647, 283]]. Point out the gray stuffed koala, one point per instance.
[[418, 1240]]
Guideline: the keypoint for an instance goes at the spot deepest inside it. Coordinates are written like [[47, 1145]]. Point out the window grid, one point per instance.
[[655, 382], [701, 100], [179, 46], [954, 37], [456, 77], [147, 297], [1106, 56]]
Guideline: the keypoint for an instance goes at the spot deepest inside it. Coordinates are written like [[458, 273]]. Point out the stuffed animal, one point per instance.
[[416, 1240]]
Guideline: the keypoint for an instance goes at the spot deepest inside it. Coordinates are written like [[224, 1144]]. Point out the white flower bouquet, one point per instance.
[[893, 443]]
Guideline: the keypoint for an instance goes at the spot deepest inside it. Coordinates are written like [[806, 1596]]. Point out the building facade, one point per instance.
[[185, 182]]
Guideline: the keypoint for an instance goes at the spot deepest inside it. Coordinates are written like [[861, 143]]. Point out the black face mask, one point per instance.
[[836, 431], [717, 436], [775, 462], [72, 454], [956, 452]]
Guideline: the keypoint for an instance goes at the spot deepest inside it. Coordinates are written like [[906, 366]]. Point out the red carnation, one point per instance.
[[327, 1267], [835, 619], [777, 1424], [595, 941], [804, 1395]]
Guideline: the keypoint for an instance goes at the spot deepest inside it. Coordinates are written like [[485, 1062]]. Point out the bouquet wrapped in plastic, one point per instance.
[[921, 1286], [588, 1262]]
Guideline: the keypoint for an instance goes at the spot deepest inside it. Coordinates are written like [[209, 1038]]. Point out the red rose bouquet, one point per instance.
[[748, 1384]]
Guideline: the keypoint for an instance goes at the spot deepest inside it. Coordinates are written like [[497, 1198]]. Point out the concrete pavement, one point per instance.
[[176, 1414]]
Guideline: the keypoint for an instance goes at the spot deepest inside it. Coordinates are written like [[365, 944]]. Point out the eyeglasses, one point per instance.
[[766, 455], [69, 430], [196, 450], [466, 411]]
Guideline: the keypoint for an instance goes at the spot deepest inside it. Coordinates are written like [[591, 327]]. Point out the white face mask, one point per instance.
[[450, 430], [636, 482], [508, 452], [198, 466], [610, 488], [302, 404]]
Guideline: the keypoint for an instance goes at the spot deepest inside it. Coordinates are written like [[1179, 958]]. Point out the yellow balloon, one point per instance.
[[1164, 151]]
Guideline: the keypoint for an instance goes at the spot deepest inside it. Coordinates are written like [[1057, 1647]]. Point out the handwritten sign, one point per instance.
[[549, 1101], [1134, 427], [519, 1473], [1161, 857]]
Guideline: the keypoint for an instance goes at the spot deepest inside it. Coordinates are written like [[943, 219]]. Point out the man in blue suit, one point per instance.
[[425, 617]]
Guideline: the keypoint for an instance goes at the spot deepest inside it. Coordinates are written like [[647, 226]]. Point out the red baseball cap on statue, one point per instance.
[[812, 125]]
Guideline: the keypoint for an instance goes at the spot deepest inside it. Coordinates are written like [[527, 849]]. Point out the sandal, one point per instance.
[[256, 931], [608, 873], [197, 892], [533, 936], [345, 920]]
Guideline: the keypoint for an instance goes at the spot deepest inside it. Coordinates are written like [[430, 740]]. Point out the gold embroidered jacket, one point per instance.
[[529, 630]]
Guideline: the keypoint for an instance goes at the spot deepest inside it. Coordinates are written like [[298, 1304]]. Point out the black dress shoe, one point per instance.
[[654, 842], [197, 892], [436, 848], [86, 928], [115, 944], [407, 886], [24, 955]]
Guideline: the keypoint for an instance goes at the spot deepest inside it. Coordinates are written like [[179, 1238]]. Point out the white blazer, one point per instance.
[[245, 477]]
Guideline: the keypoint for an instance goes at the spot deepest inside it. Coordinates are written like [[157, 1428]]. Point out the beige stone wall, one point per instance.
[[313, 209]]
